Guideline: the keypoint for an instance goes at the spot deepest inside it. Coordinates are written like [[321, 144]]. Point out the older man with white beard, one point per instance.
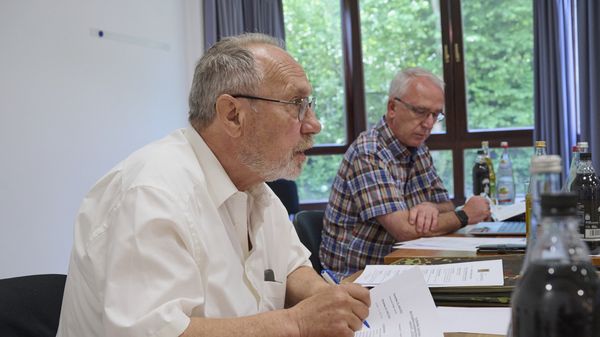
[[183, 238]]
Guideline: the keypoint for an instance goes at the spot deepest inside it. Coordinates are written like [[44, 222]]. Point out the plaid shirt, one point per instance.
[[377, 176]]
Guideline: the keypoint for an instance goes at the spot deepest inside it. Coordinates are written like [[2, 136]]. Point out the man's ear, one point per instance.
[[390, 109], [228, 114]]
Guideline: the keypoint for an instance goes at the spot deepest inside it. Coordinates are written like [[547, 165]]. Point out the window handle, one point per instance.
[[446, 54], [456, 53]]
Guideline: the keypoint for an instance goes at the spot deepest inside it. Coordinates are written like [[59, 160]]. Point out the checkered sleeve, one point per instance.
[[373, 187], [438, 192]]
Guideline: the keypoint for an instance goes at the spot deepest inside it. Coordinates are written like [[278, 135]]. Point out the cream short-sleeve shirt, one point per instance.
[[165, 235]]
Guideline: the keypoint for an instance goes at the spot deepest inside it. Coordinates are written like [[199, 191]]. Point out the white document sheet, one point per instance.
[[402, 307], [476, 273], [493, 321], [503, 212], [467, 244]]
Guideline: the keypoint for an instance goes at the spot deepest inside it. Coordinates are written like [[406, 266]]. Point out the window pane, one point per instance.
[[520, 157], [313, 37], [317, 176], [397, 34], [442, 160], [498, 46]]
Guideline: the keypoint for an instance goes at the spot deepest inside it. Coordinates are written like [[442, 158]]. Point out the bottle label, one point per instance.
[[505, 194], [486, 186], [591, 218], [530, 232]]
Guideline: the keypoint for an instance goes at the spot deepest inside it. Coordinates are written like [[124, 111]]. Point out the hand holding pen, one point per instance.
[[330, 278]]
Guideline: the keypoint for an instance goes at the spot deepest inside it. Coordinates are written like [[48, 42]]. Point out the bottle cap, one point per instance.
[[575, 148], [540, 143], [485, 143], [504, 144], [546, 164], [585, 156], [582, 145], [557, 204]]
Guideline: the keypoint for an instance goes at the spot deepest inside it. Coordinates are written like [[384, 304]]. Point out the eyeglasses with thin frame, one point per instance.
[[302, 103], [423, 113]]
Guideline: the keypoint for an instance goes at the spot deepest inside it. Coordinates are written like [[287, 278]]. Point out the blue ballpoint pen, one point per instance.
[[331, 279]]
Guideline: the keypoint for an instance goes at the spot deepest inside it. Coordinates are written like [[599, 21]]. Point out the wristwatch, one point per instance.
[[462, 216]]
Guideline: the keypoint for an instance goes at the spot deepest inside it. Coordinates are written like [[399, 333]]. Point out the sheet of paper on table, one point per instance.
[[402, 307], [503, 212], [493, 321], [476, 273], [467, 244]]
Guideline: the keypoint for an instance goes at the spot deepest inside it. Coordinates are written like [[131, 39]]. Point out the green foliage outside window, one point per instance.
[[313, 37], [395, 35], [498, 43]]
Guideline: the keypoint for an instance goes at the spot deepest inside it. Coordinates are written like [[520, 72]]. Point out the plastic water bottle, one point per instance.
[[505, 179], [540, 150], [545, 178]]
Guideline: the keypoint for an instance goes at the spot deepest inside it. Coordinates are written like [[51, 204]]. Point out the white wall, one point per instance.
[[72, 105]]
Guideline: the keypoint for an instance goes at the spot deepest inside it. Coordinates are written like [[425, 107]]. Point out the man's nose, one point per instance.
[[429, 121], [310, 123]]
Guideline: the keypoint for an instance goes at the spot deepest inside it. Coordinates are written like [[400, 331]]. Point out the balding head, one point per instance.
[[231, 66]]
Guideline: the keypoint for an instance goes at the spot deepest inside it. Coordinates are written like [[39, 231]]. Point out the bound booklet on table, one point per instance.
[[475, 296]]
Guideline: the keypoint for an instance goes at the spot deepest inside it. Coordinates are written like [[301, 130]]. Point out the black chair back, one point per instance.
[[287, 191], [30, 305], [308, 225]]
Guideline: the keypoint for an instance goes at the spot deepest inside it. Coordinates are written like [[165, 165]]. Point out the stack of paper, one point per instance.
[[467, 244]]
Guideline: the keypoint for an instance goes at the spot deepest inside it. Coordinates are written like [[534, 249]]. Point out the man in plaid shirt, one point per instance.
[[387, 189]]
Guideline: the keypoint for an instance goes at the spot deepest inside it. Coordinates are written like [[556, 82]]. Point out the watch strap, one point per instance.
[[462, 216]]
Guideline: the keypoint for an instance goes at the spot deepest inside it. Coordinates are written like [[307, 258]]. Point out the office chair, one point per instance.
[[287, 192], [30, 305], [308, 225]]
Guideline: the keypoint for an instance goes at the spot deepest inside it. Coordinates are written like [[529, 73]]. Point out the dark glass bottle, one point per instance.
[[587, 187], [558, 292], [481, 175]]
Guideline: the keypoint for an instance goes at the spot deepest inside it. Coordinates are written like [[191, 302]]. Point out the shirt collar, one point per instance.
[[399, 150], [219, 184]]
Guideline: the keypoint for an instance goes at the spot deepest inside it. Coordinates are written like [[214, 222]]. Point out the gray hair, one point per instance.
[[228, 67], [404, 77]]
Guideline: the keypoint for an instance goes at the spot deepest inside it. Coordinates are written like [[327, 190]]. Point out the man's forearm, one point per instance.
[[302, 283], [446, 206], [398, 226], [278, 323], [334, 311], [447, 222]]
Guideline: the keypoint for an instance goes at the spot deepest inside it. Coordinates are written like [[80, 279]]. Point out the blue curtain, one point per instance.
[[588, 41], [232, 17], [554, 73], [566, 54]]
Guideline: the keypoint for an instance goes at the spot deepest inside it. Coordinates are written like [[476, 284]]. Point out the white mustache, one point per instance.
[[304, 145]]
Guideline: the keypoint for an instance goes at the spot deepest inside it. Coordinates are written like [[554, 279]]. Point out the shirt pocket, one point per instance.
[[273, 296]]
